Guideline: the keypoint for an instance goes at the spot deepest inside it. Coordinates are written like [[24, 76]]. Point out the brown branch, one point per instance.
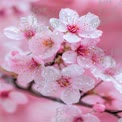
[[80, 103]]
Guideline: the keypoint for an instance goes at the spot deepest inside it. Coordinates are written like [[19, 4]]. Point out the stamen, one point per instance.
[[73, 28]]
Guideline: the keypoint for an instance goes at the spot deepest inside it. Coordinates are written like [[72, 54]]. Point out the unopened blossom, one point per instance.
[[69, 81], [27, 68], [73, 114], [9, 98], [27, 28], [99, 107], [75, 27], [46, 45]]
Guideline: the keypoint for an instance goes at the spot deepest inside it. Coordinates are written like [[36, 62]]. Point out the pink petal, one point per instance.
[[72, 70], [38, 48], [84, 83], [84, 62], [68, 16], [90, 118], [69, 57], [18, 97], [37, 75], [62, 113], [51, 74], [9, 106], [70, 96], [58, 25], [71, 38], [93, 34], [13, 33], [26, 76], [49, 89]]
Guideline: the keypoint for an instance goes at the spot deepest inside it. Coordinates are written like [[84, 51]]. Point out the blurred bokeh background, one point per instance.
[[110, 13]]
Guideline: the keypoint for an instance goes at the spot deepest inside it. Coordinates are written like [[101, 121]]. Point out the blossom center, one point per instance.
[[48, 43], [63, 82], [29, 34], [73, 28], [79, 119], [95, 59], [4, 94], [83, 51], [110, 72], [33, 64]]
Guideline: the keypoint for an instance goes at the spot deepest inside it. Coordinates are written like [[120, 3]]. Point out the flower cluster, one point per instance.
[[63, 59]]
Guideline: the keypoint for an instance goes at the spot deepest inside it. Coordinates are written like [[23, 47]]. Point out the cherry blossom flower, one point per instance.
[[76, 115], [87, 57], [111, 72], [75, 27], [27, 67], [26, 30], [46, 45], [9, 98], [68, 81]]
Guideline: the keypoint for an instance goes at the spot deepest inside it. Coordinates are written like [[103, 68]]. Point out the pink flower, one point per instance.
[[76, 27], [27, 29], [73, 114], [87, 57], [27, 67], [9, 98], [68, 81], [110, 72], [46, 45]]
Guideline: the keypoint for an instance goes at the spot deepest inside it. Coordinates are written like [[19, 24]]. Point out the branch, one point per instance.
[[81, 103]]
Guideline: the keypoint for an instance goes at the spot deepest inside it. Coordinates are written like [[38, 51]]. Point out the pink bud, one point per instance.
[[99, 107]]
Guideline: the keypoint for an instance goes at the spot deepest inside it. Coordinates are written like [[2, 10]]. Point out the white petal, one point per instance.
[[49, 89], [58, 25], [94, 34], [68, 16], [90, 118], [13, 33], [28, 21], [69, 57], [84, 62], [9, 106], [108, 62], [89, 22], [100, 74], [50, 73], [71, 38], [118, 86], [70, 96], [118, 77], [72, 70], [84, 83], [18, 97]]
